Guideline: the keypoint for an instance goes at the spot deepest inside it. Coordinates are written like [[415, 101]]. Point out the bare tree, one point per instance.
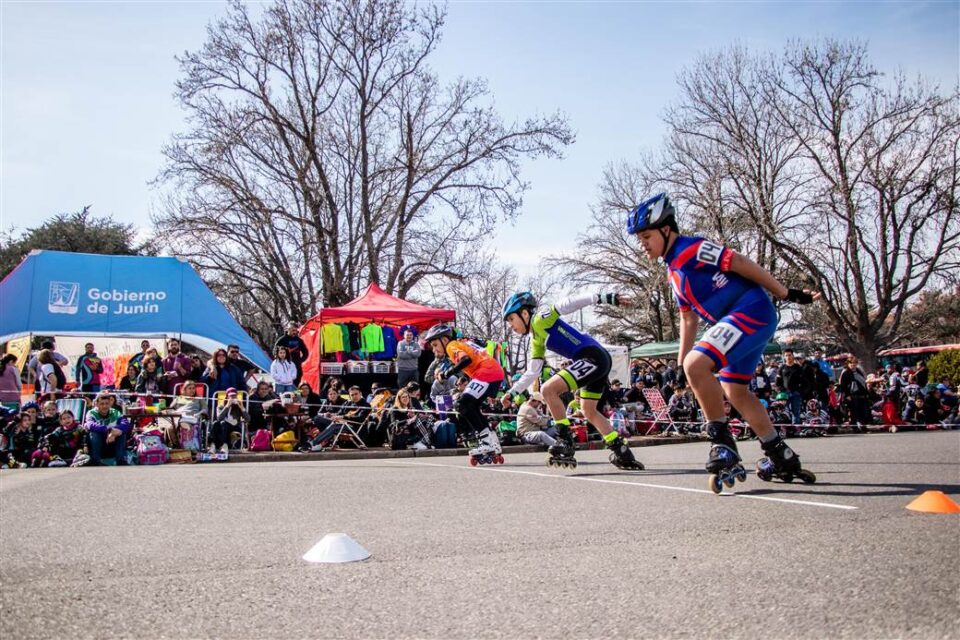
[[322, 153]]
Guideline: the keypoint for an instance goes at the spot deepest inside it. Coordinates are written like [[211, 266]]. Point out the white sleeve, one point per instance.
[[577, 303], [531, 374]]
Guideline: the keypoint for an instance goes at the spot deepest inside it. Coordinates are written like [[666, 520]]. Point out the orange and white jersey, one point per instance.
[[482, 367]]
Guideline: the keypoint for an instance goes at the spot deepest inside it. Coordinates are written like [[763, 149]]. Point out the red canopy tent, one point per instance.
[[373, 305]]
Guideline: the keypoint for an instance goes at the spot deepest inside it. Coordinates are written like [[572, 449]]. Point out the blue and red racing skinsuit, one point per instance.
[[742, 314]]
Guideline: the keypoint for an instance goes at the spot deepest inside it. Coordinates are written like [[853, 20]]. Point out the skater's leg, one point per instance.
[[699, 369], [752, 411], [591, 412], [552, 389]]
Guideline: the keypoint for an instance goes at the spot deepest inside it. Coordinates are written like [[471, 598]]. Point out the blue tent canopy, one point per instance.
[[81, 294]]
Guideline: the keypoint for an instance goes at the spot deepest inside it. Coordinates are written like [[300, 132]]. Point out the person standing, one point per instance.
[[88, 370], [297, 350], [246, 368], [408, 359], [853, 386], [790, 378], [176, 366], [922, 374], [11, 387], [283, 372]]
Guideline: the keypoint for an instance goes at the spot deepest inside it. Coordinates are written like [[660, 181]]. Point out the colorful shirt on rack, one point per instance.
[[332, 338], [389, 351], [371, 338], [344, 338]]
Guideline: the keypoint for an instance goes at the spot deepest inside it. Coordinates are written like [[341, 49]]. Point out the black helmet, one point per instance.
[[438, 331]]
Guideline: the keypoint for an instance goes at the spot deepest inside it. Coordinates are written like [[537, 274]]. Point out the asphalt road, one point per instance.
[[515, 551]]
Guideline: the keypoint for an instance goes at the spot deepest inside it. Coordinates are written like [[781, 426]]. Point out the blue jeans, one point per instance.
[[99, 445], [283, 388], [796, 406]]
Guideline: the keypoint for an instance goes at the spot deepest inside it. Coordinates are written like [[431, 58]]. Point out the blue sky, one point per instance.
[[87, 87]]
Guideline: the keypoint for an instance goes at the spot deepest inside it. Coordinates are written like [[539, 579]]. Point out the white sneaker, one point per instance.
[[419, 446], [212, 449], [489, 444], [224, 449]]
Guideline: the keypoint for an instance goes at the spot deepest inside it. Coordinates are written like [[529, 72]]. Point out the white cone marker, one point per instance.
[[336, 547]]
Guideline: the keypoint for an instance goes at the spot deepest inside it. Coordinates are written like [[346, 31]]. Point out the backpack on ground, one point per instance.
[[262, 440], [445, 435], [286, 441], [151, 450], [189, 436]]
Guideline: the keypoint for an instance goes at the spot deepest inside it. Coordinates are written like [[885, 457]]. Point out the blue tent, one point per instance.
[[81, 294]]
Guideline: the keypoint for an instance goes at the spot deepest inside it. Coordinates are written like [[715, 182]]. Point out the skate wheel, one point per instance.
[[741, 474], [715, 483], [499, 460], [787, 477], [473, 462], [808, 477], [729, 481]]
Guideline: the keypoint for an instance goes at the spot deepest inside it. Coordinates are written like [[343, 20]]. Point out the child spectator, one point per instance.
[[283, 371], [21, 443], [11, 386], [230, 418], [66, 439], [47, 421], [151, 381]]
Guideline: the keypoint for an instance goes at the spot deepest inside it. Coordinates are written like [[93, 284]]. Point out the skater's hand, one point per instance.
[[802, 296]]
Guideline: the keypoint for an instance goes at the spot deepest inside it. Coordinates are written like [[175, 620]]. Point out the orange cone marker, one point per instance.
[[934, 502]]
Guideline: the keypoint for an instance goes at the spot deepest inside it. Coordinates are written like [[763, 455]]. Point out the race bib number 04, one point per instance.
[[709, 253], [722, 336], [581, 369]]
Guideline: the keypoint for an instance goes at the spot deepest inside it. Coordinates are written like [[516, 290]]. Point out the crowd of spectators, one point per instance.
[[209, 398]]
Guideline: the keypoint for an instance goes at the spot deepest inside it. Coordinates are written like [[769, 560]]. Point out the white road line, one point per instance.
[[809, 503]]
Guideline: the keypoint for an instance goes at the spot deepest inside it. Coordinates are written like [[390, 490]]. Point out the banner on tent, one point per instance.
[[20, 348]]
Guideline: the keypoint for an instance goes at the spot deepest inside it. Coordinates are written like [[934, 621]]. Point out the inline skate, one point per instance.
[[561, 453], [781, 462], [621, 456], [488, 450], [724, 463]]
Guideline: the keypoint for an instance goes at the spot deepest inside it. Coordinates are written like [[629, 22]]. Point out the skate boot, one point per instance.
[[724, 463], [561, 453], [781, 462], [620, 455], [488, 449]]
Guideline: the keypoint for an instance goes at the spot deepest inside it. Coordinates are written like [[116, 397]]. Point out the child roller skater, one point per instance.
[[729, 291], [588, 371], [486, 377]]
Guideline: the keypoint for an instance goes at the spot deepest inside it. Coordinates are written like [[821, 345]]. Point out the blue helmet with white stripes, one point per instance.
[[652, 213]]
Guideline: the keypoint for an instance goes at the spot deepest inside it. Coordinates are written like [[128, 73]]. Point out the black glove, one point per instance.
[[682, 377], [799, 296]]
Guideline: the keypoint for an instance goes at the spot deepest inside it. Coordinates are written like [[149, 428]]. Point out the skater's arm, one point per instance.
[[532, 373], [750, 270], [586, 300], [688, 331]]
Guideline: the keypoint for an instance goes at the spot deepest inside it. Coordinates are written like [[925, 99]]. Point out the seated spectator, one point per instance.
[[230, 418], [265, 409], [932, 410], [220, 375], [913, 411], [308, 399], [373, 392], [108, 430], [192, 408], [375, 430], [352, 413], [534, 427], [66, 439], [407, 428], [574, 410], [327, 419], [413, 388], [615, 395], [151, 382], [283, 371], [21, 443], [47, 421], [197, 369], [682, 406], [442, 386], [128, 383], [11, 386]]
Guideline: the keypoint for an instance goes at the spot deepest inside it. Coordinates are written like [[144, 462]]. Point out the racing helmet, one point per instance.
[[438, 331], [652, 213], [518, 301]]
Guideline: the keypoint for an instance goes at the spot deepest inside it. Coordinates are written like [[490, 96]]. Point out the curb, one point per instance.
[[376, 454]]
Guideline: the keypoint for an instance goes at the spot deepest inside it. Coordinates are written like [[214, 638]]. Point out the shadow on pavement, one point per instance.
[[894, 489]]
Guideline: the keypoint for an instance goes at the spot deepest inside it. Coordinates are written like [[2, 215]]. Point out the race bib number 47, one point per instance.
[[722, 336]]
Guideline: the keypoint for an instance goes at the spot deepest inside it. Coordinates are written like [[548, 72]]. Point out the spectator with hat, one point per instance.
[[534, 427], [231, 417]]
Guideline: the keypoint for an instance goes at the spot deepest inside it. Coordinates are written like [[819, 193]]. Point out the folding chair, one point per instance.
[[661, 413], [76, 406], [219, 398]]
